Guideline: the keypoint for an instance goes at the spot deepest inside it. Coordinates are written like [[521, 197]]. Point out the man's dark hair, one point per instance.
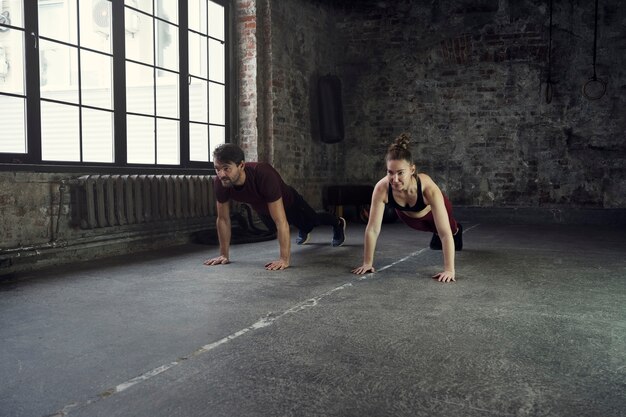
[[228, 152]]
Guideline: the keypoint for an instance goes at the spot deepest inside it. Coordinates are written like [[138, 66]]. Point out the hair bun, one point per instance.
[[403, 141], [400, 149]]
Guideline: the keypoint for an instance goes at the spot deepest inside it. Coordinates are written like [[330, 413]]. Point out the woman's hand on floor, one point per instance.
[[363, 269], [445, 276]]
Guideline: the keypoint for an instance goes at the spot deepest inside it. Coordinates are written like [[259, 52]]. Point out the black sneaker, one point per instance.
[[435, 242], [339, 233], [458, 238], [303, 238]]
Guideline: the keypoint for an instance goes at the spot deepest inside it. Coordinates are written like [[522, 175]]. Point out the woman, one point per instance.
[[419, 203]]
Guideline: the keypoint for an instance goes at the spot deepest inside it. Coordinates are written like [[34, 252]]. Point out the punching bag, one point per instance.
[[330, 109]]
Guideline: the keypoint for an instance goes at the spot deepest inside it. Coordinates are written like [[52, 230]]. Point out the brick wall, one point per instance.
[[246, 68], [303, 47], [467, 80]]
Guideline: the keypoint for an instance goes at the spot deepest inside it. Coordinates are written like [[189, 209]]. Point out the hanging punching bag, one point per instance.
[[330, 109]]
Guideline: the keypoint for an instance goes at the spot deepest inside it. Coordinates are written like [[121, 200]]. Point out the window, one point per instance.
[[75, 82], [12, 80], [129, 83], [207, 89]]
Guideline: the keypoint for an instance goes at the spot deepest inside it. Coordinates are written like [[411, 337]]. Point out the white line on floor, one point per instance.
[[263, 322]]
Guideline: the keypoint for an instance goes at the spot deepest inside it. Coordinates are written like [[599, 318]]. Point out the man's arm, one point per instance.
[[223, 234], [277, 211]]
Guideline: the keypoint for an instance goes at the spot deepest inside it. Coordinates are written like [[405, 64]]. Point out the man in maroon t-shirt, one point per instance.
[[277, 204]]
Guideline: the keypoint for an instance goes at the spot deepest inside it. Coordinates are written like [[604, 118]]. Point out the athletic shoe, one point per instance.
[[339, 233], [303, 238], [458, 238], [435, 242]]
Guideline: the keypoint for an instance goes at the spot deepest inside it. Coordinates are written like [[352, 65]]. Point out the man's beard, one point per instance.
[[229, 182]]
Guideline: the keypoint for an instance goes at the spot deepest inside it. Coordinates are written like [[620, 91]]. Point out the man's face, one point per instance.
[[228, 173]]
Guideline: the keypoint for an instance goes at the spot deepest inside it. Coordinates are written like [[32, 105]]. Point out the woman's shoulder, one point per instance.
[[429, 188], [426, 181], [381, 188], [383, 183], [424, 177]]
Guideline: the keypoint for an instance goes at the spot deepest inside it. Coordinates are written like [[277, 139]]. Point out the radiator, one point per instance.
[[118, 200]]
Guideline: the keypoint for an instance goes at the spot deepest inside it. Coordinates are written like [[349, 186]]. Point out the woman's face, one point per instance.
[[399, 173]]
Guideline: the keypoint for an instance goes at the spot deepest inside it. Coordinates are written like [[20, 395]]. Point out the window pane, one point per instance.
[[168, 149], [95, 25], [216, 104], [197, 55], [168, 10], [197, 15], [140, 143], [139, 40], [57, 20], [167, 94], [198, 101], [139, 89], [97, 75], [218, 136], [13, 121], [167, 46], [12, 79], [216, 61], [145, 5], [12, 62], [15, 15], [59, 132], [198, 142], [58, 71], [216, 20], [97, 136]]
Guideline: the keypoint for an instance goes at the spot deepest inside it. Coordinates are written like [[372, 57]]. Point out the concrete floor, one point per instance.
[[535, 326]]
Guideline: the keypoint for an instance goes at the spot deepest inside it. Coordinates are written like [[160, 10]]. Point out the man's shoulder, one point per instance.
[[258, 165], [261, 168]]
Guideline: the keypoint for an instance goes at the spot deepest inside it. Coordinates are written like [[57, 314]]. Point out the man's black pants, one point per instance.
[[301, 215]]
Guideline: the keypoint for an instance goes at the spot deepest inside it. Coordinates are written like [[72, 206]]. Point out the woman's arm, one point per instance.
[[377, 210], [434, 197]]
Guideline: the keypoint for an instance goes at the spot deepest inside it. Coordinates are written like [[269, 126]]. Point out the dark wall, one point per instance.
[[467, 80], [303, 47]]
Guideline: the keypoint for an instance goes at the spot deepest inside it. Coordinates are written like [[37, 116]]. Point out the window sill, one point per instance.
[[203, 168]]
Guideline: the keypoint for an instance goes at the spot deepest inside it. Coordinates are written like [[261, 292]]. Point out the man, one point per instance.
[[278, 205]]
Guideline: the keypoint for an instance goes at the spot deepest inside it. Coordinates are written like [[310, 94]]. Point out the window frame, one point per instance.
[[32, 159]]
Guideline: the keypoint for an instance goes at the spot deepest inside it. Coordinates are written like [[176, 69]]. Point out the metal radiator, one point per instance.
[[118, 200]]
